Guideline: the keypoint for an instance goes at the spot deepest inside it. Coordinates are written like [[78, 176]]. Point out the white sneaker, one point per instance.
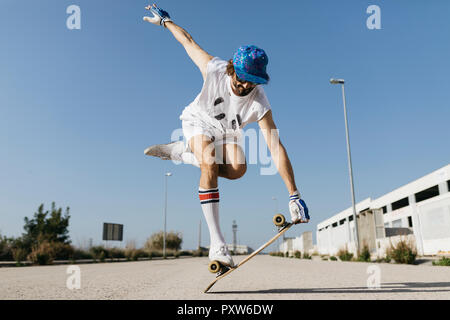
[[222, 255], [169, 151]]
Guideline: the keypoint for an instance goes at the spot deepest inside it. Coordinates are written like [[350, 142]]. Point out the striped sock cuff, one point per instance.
[[208, 196], [294, 196]]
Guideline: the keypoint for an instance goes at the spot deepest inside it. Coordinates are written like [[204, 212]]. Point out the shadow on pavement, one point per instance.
[[405, 287]]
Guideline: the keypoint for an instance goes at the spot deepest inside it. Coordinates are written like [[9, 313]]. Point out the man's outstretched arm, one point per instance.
[[195, 52], [199, 56], [277, 151], [297, 207]]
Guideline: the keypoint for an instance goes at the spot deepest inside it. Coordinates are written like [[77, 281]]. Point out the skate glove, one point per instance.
[[160, 16], [299, 210]]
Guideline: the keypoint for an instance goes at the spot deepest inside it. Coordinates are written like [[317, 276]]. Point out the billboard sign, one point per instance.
[[112, 231]]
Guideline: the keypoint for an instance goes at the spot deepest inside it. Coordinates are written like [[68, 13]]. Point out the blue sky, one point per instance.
[[78, 107]]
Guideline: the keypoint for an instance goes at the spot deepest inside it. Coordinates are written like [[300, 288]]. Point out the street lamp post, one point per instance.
[[276, 204], [276, 212], [349, 156], [168, 174]]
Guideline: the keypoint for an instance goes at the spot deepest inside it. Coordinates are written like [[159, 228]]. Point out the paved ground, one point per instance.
[[264, 277]]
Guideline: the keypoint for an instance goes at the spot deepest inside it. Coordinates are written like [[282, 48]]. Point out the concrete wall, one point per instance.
[[331, 239], [366, 228], [286, 245], [240, 249], [304, 243], [434, 224], [383, 245]]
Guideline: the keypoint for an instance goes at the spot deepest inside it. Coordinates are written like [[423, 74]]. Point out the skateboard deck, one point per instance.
[[281, 231]]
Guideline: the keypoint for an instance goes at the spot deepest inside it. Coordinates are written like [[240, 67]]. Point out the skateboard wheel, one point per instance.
[[214, 266], [279, 220]]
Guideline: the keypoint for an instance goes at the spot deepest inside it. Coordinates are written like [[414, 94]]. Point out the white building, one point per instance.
[[422, 206], [304, 244], [286, 245], [239, 249]]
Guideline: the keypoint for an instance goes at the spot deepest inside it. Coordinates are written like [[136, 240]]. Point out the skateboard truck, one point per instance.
[[218, 268], [280, 222]]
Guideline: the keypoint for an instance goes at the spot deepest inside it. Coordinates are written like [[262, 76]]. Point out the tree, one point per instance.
[[5, 248], [47, 226]]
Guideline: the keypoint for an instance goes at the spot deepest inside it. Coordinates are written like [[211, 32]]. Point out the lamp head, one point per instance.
[[337, 81]]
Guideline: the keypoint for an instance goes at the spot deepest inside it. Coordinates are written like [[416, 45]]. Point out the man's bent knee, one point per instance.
[[234, 172]]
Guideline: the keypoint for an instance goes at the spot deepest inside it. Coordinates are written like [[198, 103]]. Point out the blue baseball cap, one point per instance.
[[250, 64]]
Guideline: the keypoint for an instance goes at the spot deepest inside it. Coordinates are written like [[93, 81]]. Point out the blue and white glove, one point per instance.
[[298, 209], [160, 16]]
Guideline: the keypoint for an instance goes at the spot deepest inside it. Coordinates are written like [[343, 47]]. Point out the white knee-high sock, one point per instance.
[[209, 200]]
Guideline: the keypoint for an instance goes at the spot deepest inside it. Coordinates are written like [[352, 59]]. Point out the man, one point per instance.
[[231, 98]]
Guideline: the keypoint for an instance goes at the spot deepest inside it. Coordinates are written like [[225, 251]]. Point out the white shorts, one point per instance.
[[192, 129]]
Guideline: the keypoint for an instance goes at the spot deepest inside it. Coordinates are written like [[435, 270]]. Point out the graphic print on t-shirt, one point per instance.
[[218, 101], [220, 116], [221, 111], [217, 107]]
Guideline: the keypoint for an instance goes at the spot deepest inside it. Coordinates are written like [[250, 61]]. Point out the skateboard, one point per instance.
[[222, 271]]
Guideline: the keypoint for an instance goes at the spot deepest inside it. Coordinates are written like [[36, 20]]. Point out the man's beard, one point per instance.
[[242, 91]]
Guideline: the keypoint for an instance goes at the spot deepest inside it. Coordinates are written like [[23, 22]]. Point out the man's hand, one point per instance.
[[160, 16], [298, 209]]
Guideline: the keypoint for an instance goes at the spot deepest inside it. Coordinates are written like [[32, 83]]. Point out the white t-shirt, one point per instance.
[[219, 107]]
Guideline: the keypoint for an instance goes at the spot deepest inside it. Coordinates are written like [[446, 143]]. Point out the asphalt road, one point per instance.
[[263, 277]]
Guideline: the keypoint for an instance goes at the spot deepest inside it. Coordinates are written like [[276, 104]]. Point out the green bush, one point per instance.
[[345, 255], [63, 251], [99, 253], [155, 242], [130, 254], [6, 250], [135, 254], [297, 254], [154, 254], [116, 253], [170, 253], [277, 254], [80, 254], [306, 256], [333, 258], [19, 255], [42, 254], [364, 254], [102, 256], [403, 253], [442, 262], [197, 253]]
